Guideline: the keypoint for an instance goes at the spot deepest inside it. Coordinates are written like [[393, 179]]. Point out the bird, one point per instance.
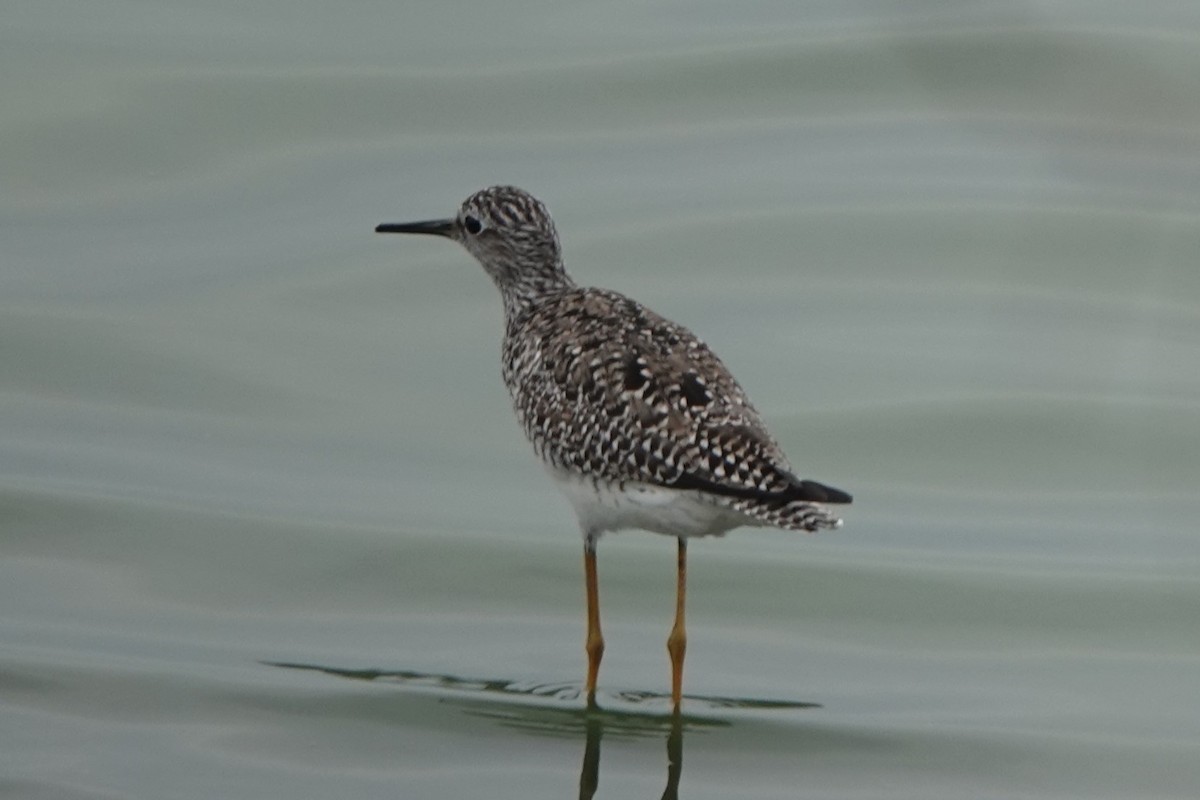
[[635, 418]]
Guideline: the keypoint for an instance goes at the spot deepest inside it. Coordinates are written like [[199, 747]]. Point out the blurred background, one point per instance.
[[949, 249]]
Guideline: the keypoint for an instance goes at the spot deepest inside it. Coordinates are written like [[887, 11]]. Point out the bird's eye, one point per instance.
[[472, 225]]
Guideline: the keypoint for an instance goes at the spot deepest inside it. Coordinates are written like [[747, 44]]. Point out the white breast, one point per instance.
[[601, 507]]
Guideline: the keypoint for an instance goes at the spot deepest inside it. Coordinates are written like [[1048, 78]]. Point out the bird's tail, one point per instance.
[[802, 505], [795, 515]]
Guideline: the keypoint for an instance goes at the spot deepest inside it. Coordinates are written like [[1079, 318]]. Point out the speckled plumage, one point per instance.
[[637, 418]]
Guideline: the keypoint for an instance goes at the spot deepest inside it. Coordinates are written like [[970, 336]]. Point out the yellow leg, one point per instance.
[[677, 641], [595, 640]]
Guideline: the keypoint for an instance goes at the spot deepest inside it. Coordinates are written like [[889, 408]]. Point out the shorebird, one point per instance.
[[635, 418]]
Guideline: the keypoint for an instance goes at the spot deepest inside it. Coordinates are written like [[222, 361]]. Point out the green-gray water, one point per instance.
[[268, 529]]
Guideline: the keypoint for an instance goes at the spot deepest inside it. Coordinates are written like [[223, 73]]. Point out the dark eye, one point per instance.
[[472, 225]]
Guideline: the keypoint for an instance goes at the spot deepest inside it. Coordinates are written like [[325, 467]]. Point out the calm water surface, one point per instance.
[[267, 528]]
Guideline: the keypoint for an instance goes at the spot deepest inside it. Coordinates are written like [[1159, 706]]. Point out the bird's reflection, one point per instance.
[[589, 773], [542, 709], [674, 759]]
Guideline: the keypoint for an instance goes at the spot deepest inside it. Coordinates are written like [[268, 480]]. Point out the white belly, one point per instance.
[[602, 507]]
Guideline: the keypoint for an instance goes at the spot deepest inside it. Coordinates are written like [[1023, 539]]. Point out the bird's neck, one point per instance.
[[521, 295]]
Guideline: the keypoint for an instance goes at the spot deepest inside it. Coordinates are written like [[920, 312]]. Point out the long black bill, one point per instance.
[[438, 227]]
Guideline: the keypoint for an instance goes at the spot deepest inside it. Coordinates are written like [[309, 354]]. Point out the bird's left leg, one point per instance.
[[594, 644]]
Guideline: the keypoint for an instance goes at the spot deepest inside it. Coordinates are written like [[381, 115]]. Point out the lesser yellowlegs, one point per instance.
[[639, 423]]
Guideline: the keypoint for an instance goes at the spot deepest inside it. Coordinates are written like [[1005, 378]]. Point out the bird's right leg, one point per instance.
[[677, 641], [595, 640]]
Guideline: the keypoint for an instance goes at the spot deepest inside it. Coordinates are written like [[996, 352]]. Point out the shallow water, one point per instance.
[[267, 528]]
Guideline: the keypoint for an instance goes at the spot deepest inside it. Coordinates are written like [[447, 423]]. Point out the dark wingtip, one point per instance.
[[802, 490], [820, 493]]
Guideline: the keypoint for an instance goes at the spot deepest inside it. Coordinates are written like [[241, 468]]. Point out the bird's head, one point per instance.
[[510, 233]]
